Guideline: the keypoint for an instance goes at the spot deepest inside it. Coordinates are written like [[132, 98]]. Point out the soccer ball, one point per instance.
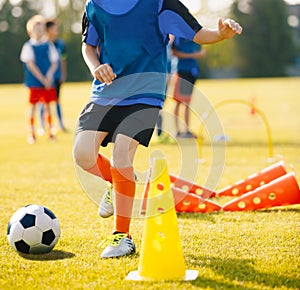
[[33, 229]]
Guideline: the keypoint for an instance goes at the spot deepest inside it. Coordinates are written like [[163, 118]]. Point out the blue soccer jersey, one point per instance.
[[189, 65], [61, 49], [43, 54], [132, 37]]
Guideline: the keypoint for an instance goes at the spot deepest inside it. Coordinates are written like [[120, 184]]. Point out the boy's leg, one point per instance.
[[59, 116], [42, 119], [31, 136], [48, 120], [58, 106], [101, 168], [123, 181], [159, 125], [176, 115], [124, 188], [86, 153]]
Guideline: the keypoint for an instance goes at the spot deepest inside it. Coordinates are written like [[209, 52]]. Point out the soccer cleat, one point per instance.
[[106, 207], [120, 244], [188, 134]]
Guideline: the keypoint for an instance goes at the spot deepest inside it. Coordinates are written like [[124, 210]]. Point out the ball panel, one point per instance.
[[48, 212], [34, 209], [17, 215], [8, 229], [43, 222], [48, 237], [16, 233], [28, 220], [53, 244], [22, 247], [32, 236], [56, 227]]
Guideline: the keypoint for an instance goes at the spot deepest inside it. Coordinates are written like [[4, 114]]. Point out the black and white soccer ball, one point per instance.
[[33, 229]]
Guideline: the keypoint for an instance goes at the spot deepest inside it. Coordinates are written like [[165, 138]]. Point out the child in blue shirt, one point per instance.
[[188, 70], [40, 58], [128, 92]]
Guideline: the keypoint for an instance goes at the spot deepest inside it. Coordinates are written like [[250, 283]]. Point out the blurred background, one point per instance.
[[268, 47]]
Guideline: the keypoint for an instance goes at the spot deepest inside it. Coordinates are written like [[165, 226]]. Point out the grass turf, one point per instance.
[[231, 250]]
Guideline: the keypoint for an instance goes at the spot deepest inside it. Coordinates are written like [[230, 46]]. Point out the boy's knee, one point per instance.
[[82, 158]]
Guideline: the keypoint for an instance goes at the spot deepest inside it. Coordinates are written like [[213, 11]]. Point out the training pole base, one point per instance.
[[190, 275]]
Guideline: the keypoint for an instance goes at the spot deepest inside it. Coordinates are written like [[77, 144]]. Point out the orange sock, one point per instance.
[[124, 188], [48, 120], [101, 168], [31, 121]]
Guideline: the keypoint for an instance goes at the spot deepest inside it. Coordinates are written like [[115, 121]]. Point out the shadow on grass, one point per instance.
[[235, 273], [211, 216], [282, 209], [199, 216], [53, 255]]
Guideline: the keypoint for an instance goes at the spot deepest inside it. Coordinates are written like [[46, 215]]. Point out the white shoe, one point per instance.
[[106, 207], [120, 245]]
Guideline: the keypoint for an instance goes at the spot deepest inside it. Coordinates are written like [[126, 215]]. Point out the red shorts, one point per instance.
[[183, 89], [42, 95]]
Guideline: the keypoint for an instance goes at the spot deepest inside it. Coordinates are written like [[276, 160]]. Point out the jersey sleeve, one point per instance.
[[27, 53], [89, 33], [53, 53], [175, 18]]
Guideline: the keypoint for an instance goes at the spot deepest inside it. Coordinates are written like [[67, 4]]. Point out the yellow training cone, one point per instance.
[[161, 253]]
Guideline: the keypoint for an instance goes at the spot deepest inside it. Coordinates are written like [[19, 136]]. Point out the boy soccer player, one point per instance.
[[188, 71], [52, 31], [128, 91], [40, 62]]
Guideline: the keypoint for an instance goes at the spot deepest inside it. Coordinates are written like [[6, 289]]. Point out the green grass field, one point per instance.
[[231, 250]]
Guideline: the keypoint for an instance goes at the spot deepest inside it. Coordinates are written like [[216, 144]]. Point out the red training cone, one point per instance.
[[190, 202], [188, 186], [255, 180], [279, 192]]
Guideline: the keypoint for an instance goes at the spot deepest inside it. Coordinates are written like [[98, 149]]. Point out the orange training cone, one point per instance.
[[190, 202], [255, 180], [185, 201], [188, 186], [281, 191], [161, 255]]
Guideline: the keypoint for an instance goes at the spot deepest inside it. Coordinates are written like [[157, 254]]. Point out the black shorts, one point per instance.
[[186, 83], [135, 121]]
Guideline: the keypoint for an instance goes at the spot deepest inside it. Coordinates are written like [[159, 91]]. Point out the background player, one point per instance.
[[52, 31], [40, 62], [188, 70]]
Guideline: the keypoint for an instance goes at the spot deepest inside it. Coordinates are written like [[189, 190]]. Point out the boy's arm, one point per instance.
[[63, 70], [36, 71], [198, 54], [102, 72], [50, 73], [226, 29]]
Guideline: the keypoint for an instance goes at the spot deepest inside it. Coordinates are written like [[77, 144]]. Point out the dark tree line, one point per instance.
[[266, 46], [264, 49]]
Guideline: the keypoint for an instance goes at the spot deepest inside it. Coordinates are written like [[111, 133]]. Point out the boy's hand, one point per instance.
[[228, 28], [104, 73], [47, 82]]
